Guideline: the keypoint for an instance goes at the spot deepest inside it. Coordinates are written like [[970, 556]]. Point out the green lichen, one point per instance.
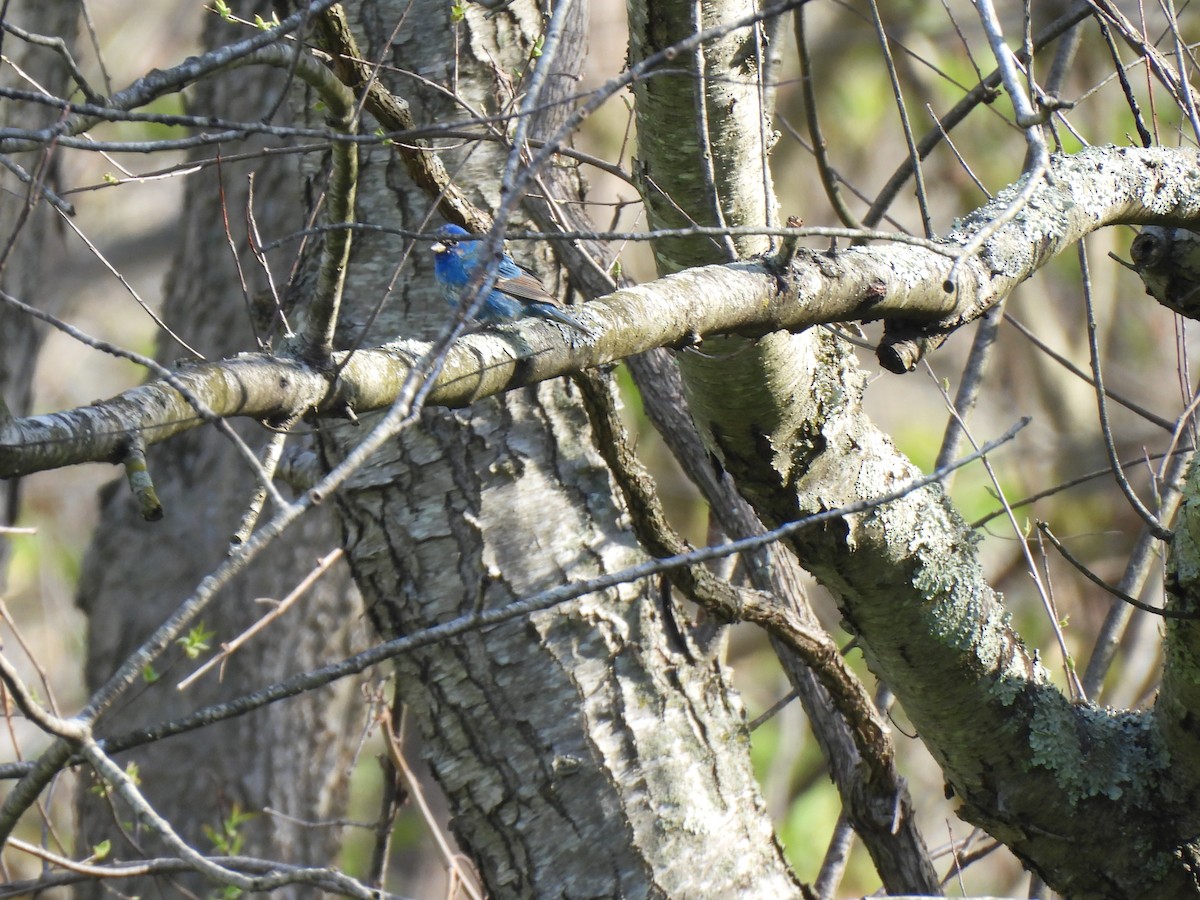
[[1185, 666], [1183, 585], [1095, 752]]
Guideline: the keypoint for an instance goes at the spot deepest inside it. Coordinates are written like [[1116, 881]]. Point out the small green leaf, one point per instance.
[[458, 11], [101, 850], [110, 178], [148, 674], [196, 641], [228, 839], [223, 10]]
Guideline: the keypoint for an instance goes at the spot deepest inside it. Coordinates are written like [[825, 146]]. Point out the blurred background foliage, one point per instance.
[[133, 221]]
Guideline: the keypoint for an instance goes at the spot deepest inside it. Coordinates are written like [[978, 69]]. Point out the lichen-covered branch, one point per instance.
[[1097, 187]]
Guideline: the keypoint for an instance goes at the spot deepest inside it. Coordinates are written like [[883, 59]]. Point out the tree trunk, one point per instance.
[[26, 218], [704, 135], [583, 751], [290, 757]]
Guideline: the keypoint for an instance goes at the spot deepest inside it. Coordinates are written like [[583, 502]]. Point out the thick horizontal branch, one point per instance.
[[897, 282], [1081, 193]]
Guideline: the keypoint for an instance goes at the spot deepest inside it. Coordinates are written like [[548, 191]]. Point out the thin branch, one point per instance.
[[479, 619], [773, 710], [914, 155], [391, 797], [820, 150], [147, 815], [984, 92], [59, 46], [116, 871], [1157, 527], [1146, 552], [19, 636], [1040, 585], [1095, 579], [468, 879], [116, 273], [970, 384], [78, 873], [23, 698], [1157, 62], [837, 855], [67, 209], [321, 314], [1068, 484], [160, 82], [229, 648], [704, 152], [1121, 399], [271, 455]]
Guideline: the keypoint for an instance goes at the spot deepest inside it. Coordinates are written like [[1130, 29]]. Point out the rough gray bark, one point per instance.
[[703, 137], [1033, 769], [783, 417], [290, 757], [25, 218], [582, 752], [596, 722]]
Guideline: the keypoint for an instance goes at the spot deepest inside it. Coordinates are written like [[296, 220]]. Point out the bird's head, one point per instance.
[[448, 237]]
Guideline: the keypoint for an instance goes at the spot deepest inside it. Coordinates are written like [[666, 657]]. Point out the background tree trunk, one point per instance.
[[23, 263], [290, 757], [596, 747], [705, 130]]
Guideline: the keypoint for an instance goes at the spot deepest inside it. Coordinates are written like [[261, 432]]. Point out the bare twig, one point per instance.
[[59, 755], [454, 863], [228, 649]]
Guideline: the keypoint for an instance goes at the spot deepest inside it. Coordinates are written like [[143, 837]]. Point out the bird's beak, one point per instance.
[[439, 247]]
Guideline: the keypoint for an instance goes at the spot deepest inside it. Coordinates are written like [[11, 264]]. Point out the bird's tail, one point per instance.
[[546, 311]]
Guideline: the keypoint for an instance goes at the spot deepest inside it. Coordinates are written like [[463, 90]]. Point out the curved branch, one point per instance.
[[1081, 193], [1084, 192]]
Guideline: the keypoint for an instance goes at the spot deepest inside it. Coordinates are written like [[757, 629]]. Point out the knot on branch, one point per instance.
[[1168, 261], [140, 483]]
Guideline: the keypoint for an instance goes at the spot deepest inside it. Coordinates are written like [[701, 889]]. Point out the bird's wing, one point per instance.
[[525, 286]]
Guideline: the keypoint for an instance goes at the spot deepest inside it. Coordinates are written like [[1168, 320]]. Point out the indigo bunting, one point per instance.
[[516, 292]]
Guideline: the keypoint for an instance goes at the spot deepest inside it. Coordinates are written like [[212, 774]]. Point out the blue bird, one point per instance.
[[516, 292]]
